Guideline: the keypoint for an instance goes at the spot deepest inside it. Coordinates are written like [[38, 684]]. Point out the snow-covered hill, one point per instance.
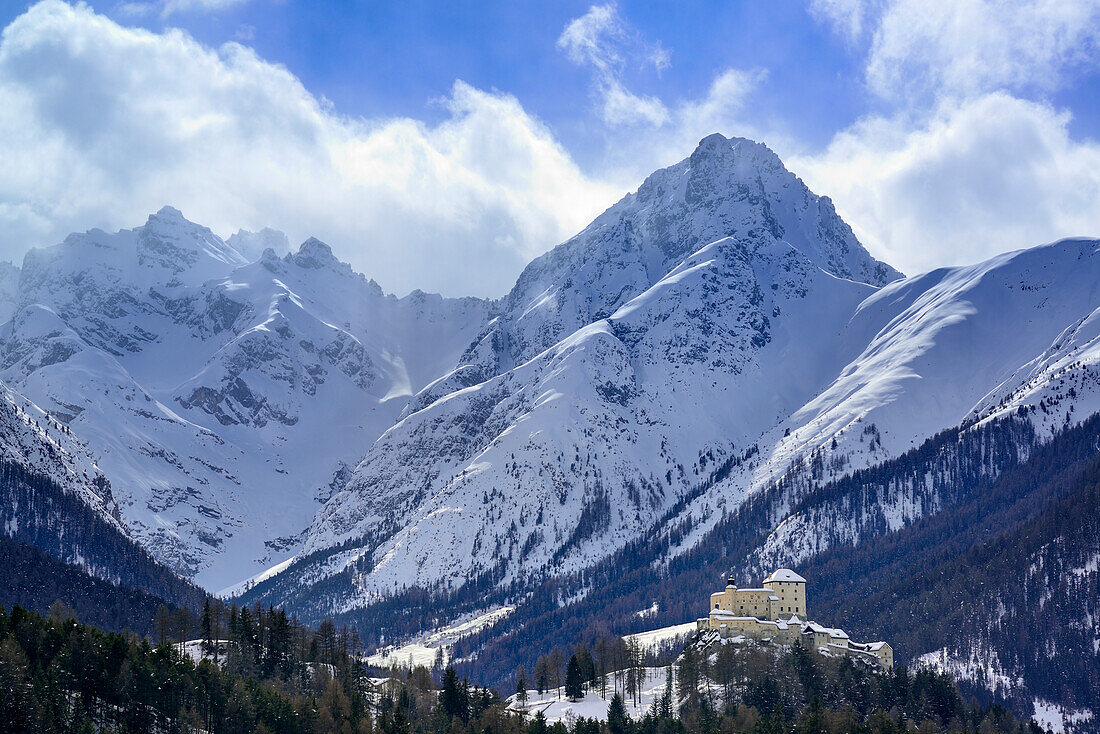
[[1016, 335], [223, 398]]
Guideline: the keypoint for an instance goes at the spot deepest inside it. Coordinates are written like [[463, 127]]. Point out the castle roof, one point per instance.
[[822, 629], [785, 574]]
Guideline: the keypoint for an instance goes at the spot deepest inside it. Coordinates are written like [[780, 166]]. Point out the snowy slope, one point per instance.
[[54, 498], [223, 398], [1017, 334], [424, 651], [42, 445], [556, 707]]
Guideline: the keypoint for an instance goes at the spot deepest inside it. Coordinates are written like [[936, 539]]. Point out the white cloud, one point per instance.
[[585, 39], [848, 17], [103, 124], [602, 39], [661, 133], [966, 166], [722, 109], [990, 174], [921, 49], [973, 46], [723, 106], [623, 107]]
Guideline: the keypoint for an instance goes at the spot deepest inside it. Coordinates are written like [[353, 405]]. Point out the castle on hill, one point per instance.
[[775, 612]]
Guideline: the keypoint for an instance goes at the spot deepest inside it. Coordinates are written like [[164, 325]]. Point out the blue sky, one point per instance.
[[443, 145], [380, 59], [374, 58]]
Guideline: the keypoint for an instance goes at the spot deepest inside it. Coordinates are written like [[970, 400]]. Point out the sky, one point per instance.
[[442, 146]]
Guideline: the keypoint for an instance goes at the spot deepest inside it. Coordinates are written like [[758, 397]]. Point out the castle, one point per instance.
[[776, 612]]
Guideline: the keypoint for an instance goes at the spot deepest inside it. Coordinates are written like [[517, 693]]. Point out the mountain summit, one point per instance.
[[732, 188]]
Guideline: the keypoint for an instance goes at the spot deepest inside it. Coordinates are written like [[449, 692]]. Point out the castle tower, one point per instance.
[[724, 599], [791, 590]]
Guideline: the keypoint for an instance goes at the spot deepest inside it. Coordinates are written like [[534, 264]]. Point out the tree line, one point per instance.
[[714, 686], [274, 676]]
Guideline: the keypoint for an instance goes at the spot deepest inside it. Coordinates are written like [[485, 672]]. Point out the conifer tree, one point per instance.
[[574, 684], [663, 705], [587, 663], [617, 720], [813, 721], [538, 725], [207, 628], [687, 675], [451, 697], [163, 624]]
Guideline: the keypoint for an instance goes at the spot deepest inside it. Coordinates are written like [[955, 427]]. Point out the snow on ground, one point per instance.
[[423, 651], [449, 634], [556, 707], [1052, 716], [660, 637], [193, 649], [413, 655]]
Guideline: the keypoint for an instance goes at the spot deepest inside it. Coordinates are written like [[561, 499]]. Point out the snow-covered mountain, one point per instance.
[[54, 498], [715, 331], [685, 322], [223, 398], [721, 311], [1017, 334], [716, 337]]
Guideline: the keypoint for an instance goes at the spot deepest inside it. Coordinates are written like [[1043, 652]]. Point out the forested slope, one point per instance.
[[996, 563], [36, 510], [36, 581]]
